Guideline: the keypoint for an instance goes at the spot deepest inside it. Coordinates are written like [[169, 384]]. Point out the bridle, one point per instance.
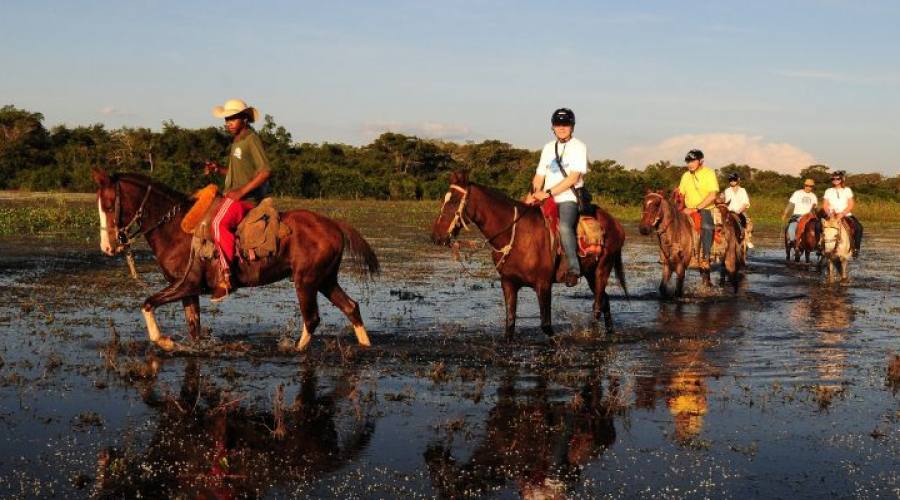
[[459, 218], [134, 229], [658, 219], [462, 220]]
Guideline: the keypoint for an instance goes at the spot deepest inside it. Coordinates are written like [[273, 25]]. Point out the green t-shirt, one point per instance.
[[245, 160]]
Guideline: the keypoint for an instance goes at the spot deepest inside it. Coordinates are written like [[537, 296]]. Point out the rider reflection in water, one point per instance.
[[560, 171]]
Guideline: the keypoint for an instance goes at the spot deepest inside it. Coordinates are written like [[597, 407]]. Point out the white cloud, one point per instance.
[[828, 76], [113, 111], [721, 149], [427, 129]]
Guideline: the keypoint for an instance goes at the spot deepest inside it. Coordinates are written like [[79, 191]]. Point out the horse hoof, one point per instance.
[[166, 344], [303, 343]]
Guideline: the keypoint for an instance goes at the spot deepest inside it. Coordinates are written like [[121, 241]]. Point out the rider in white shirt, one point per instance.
[[559, 181], [839, 202], [802, 202], [736, 198]]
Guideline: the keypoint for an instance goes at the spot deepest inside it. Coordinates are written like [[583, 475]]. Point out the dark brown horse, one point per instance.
[[132, 205], [733, 250], [523, 251], [676, 239], [806, 243]]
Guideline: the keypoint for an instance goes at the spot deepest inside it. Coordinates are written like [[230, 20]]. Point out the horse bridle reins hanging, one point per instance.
[[125, 235], [658, 219], [459, 220]]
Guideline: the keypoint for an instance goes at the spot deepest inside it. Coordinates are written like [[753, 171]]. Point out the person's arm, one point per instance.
[[566, 184], [258, 180], [212, 166], [537, 183], [850, 204], [746, 199], [788, 210]]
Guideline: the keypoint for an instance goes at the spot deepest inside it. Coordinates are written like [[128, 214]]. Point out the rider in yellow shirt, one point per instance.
[[700, 187]]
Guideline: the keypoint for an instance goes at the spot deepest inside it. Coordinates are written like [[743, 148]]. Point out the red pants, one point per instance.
[[224, 223]]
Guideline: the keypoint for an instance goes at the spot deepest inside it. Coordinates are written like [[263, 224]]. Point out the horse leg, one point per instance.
[[169, 294], [679, 279], [511, 298], [309, 309], [601, 298], [192, 315], [845, 271], [666, 275], [543, 295], [350, 308]]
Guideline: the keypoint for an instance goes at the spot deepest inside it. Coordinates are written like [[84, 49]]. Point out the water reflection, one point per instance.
[[533, 442], [208, 444], [826, 314], [679, 364]]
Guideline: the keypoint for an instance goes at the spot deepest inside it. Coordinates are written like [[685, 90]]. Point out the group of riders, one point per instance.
[[559, 175]]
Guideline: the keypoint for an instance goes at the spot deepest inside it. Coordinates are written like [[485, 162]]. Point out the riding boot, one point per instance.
[[224, 288]]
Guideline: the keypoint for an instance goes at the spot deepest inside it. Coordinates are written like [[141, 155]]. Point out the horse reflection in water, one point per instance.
[[681, 362], [826, 315], [206, 445], [533, 442]]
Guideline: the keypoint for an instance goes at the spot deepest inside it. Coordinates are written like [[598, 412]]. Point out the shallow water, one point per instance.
[[779, 390]]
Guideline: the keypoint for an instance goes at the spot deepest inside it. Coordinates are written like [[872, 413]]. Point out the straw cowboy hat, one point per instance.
[[233, 107]]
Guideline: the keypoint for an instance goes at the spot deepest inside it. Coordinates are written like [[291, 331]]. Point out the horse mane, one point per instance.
[[144, 181], [498, 195]]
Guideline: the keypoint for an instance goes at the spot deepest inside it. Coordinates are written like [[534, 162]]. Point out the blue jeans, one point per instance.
[[707, 227], [568, 234]]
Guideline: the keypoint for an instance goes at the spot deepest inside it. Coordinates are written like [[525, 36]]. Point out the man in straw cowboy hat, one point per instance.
[[246, 183], [802, 202]]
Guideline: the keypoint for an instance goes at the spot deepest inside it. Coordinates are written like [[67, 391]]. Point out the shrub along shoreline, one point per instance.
[[74, 215]]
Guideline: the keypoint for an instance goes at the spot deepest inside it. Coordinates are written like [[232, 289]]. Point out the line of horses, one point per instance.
[[132, 206]]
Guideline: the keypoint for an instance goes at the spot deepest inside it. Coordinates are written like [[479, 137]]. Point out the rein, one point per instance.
[[460, 220], [125, 235], [658, 219]]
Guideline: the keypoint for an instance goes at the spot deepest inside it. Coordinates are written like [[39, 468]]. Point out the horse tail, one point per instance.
[[620, 271], [361, 252]]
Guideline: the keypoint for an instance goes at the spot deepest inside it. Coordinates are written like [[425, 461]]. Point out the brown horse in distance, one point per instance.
[[676, 238], [806, 243], [733, 248], [524, 253], [131, 205]]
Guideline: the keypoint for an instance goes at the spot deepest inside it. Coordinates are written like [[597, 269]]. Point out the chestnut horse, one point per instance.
[[806, 243], [131, 206], [733, 247], [676, 238], [523, 251]]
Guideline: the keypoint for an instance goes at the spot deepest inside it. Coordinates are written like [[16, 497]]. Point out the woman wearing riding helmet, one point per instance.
[[559, 172], [839, 202], [736, 198]]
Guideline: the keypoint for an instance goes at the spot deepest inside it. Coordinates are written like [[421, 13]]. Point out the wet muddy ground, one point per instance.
[[788, 388]]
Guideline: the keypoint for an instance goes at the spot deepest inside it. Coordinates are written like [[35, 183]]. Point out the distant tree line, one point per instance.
[[393, 166]]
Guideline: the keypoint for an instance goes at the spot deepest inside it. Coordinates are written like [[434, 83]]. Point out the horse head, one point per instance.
[[833, 236], [106, 206], [452, 216], [651, 210]]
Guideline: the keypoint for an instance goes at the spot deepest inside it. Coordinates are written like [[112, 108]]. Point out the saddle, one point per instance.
[[258, 234], [589, 230], [801, 225]]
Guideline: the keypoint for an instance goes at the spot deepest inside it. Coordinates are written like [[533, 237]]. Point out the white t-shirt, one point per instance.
[[838, 198], [573, 154], [803, 201], [736, 199]]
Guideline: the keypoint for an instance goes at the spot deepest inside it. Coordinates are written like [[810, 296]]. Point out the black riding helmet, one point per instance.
[[694, 154], [562, 116], [734, 177]]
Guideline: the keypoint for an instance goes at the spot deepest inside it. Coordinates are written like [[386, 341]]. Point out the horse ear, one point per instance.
[[460, 178], [100, 177]]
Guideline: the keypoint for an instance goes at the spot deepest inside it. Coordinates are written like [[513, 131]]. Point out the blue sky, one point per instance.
[[776, 84]]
